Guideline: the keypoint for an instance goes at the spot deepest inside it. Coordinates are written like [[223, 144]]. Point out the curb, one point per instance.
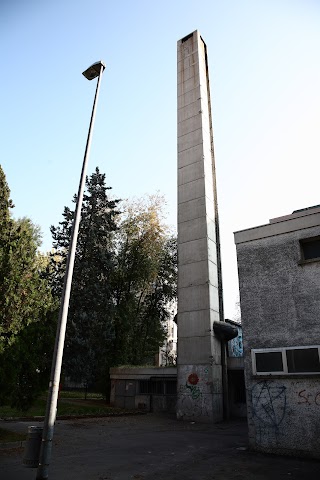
[[72, 417]]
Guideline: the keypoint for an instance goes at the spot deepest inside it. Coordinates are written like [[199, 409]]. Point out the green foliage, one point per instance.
[[24, 295], [144, 281], [25, 370], [26, 304], [89, 330], [124, 279], [65, 407], [123, 282]]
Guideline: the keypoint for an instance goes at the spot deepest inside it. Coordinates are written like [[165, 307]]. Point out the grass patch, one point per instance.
[[37, 409], [80, 394], [66, 406], [8, 436]]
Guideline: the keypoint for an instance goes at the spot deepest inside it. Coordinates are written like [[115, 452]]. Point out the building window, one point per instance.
[[269, 362], [286, 361], [310, 249], [301, 360]]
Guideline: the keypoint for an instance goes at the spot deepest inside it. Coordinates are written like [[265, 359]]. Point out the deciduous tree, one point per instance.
[[145, 280]]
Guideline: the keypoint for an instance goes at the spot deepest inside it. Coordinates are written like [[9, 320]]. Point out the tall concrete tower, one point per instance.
[[200, 394]]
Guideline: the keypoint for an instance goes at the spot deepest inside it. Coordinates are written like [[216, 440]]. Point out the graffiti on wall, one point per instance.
[[191, 408], [235, 346], [284, 413], [307, 398], [192, 386], [269, 403], [193, 398]]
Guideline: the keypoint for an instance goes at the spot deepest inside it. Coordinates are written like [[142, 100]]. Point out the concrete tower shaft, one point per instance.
[[200, 392]]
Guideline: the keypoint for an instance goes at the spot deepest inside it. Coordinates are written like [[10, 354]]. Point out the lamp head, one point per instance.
[[94, 70]]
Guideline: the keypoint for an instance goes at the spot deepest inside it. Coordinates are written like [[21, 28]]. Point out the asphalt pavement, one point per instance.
[[153, 447]]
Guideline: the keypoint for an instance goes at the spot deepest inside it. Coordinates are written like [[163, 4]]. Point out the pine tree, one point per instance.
[[89, 329]]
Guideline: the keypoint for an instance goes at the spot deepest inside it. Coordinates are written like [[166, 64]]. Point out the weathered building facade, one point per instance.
[[279, 279], [154, 388]]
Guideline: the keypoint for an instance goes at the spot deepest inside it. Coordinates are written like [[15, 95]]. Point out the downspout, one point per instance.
[[226, 412]]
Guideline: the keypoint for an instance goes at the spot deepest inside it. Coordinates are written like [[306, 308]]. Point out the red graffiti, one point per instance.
[[193, 379], [308, 398], [305, 397]]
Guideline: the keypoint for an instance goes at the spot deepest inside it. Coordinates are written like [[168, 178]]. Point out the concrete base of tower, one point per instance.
[[200, 394]]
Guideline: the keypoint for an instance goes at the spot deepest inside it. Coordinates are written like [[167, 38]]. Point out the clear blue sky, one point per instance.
[[265, 88]]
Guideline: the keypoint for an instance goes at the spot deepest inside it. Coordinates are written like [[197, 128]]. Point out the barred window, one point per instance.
[[160, 386]]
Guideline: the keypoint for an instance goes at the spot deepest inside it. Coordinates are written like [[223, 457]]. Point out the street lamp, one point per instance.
[[92, 72]]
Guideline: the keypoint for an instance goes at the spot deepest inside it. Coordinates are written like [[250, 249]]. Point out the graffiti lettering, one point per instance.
[[306, 398]]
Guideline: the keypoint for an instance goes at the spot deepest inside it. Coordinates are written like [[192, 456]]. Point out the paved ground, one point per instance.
[[153, 447]]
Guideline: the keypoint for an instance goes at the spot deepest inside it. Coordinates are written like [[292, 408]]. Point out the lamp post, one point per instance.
[[92, 72]]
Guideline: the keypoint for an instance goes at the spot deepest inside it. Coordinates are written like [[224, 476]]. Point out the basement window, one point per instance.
[[310, 249], [286, 361]]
